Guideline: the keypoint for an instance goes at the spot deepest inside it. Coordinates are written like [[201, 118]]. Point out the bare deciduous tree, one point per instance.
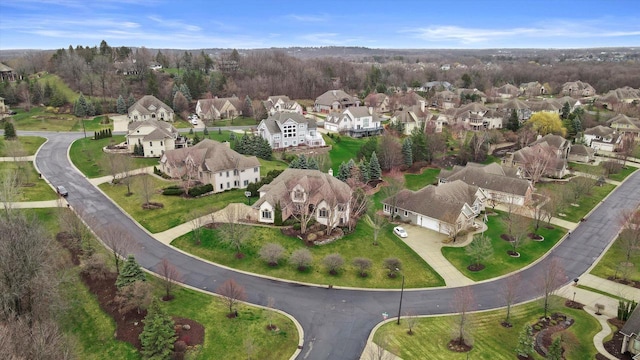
[[301, 259], [170, 276], [510, 292], [232, 293], [479, 250], [519, 227], [333, 263], [136, 296], [9, 190], [126, 169], [358, 206], [145, 184], [302, 209], [550, 277], [270, 314], [232, 231], [537, 162], [363, 265], [119, 242], [463, 302], [377, 222], [411, 319], [272, 253], [390, 152], [629, 238]]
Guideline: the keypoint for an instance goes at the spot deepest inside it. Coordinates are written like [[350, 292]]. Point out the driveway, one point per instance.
[[120, 124], [336, 322]]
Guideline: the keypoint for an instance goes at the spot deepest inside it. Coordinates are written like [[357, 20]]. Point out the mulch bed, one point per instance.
[[635, 284], [533, 236], [614, 345], [574, 305], [457, 346], [506, 237], [544, 329], [475, 267]]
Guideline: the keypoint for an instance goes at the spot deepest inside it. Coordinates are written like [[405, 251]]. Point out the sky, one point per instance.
[[248, 24]]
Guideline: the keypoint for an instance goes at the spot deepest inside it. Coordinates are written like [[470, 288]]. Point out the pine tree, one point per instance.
[[555, 350], [80, 107], [312, 164], [407, 152], [48, 93], [130, 273], [364, 171], [566, 110], [525, 342], [196, 139], [374, 167], [247, 110], [9, 131], [343, 172], [184, 89], [91, 110], [350, 165], [152, 83], [174, 90], [513, 123], [158, 335], [130, 101], [121, 106], [277, 214], [205, 131]]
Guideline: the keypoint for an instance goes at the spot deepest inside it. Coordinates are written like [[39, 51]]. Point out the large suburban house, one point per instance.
[[7, 73], [577, 89], [602, 138], [219, 108], [301, 190], [212, 162], [551, 149], [286, 129], [379, 102], [627, 126], [335, 100], [416, 117], [446, 100], [532, 89], [522, 109], [281, 103], [621, 95], [631, 332], [581, 153], [447, 209], [475, 116], [501, 184], [149, 108], [155, 137], [355, 121], [507, 91]]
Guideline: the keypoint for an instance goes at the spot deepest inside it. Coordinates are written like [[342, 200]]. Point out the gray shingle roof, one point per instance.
[[632, 326], [273, 122], [335, 95], [146, 102], [163, 129], [581, 150], [213, 156], [599, 130], [491, 177]]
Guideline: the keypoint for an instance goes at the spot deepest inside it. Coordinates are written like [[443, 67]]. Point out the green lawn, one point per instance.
[[33, 188], [87, 155], [29, 144], [491, 341], [418, 181], [38, 119], [343, 150], [353, 245], [91, 125], [614, 263], [626, 171], [268, 165], [60, 85], [176, 210], [501, 263], [585, 203], [239, 121]]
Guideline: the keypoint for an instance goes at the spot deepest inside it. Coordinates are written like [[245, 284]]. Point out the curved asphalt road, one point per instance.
[[336, 322]]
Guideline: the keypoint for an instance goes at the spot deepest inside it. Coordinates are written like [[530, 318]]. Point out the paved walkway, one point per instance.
[[18, 158], [109, 178], [39, 204]]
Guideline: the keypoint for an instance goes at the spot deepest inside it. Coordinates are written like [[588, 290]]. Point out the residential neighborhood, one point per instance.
[[282, 184]]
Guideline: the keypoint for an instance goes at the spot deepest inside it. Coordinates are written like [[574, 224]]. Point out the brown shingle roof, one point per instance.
[[491, 177], [335, 95], [213, 156], [146, 102]]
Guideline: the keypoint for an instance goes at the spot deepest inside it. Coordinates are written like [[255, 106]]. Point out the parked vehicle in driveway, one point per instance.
[[400, 231], [62, 191]]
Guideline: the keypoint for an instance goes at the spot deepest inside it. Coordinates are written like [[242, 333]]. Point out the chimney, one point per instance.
[[334, 92], [330, 172], [370, 110], [423, 105]]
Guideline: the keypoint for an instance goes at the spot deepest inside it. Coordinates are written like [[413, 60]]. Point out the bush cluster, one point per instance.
[[253, 187], [173, 191], [199, 190], [104, 133]]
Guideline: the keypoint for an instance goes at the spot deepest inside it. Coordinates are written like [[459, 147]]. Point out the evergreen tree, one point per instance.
[[152, 83], [513, 123], [419, 148], [374, 167], [369, 147], [363, 166], [264, 149], [9, 131], [205, 131], [407, 152], [247, 109], [80, 107], [184, 89], [312, 164], [158, 335], [196, 139], [350, 165], [130, 101], [525, 342], [37, 93], [48, 93], [174, 90], [91, 110], [555, 350], [130, 273], [343, 172], [277, 214], [566, 110]]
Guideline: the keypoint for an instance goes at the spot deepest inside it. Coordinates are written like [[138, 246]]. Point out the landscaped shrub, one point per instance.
[[199, 190], [173, 191]]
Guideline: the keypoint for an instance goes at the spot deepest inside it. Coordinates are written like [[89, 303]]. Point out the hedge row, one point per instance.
[[199, 190]]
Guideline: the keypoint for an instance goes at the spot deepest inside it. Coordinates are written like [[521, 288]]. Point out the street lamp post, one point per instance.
[[401, 293]]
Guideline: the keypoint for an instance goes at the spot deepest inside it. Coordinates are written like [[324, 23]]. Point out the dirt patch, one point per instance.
[[574, 305], [506, 237], [458, 346], [634, 283], [67, 242], [475, 267], [533, 236], [152, 206]]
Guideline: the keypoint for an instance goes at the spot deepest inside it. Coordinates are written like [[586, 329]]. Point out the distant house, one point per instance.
[[7, 73], [219, 108], [475, 116], [581, 153], [416, 117], [532, 89], [335, 100], [401, 101], [522, 109], [472, 93], [446, 100], [436, 86], [602, 138], [356, 121], [306, 190], [286, 129], [631, 332], [501, 184], [547, 105], [212, 162], [622, 95], [447, 209], [281, 103], [149, 108], [507, 91], [155, 137], [554, 146], [627, 126], [379, 102], [577, 89]]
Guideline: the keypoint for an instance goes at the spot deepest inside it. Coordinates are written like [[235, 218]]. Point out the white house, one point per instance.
[[155, 137], [602, 138], [356, 121], [149, 108], [281, 103], [286, 129]]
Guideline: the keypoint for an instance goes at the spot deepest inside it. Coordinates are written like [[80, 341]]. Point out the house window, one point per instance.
[[227, 174], [340, 207], [235, 172], [255, 179], [228, 185], [221, 187], [387, 208], [151, 152], [266, 214], [322, 213], [406, 213], [395, 210], [298, 195], [255, 169], [235, 183], [246, 182], [161, 143]]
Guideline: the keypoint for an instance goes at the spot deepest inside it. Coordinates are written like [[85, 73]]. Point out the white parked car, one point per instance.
[[400, 231]]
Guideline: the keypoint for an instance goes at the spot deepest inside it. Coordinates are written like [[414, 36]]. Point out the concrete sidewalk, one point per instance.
[[108, 178], [19, 158], [39, 204]]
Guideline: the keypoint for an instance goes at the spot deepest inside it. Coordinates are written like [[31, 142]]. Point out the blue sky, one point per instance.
[[53, 24]]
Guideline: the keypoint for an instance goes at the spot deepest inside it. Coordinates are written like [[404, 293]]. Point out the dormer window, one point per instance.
[[298, 195]]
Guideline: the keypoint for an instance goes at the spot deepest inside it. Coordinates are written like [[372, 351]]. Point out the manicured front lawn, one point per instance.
[[614, 263], [29, 144], [501, 263], [38, 119], [418, 181], [91, 125], [176, 210], [357, 244], [239, 121], [344, 149], [490, 339], [87, 155], [32, 187], [585, 203], [626, 171]]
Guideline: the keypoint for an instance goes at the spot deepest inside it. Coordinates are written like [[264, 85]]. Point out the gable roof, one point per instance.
[[162, 129], [491, 177], [146, 103], [555, 141], [437, 202], [212, 156], [332, 96], [275, 121], [5, 68], [581, 150], [632, 326], [599, 130], [516, 104]]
